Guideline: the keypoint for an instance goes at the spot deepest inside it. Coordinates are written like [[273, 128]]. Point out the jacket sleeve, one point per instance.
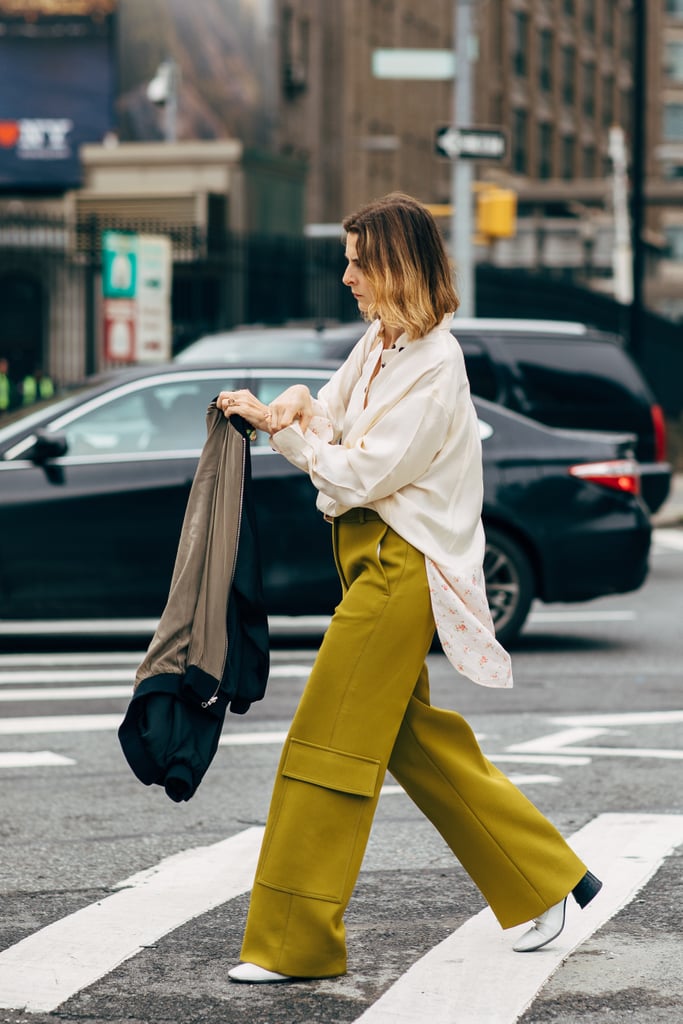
[[394, 452]]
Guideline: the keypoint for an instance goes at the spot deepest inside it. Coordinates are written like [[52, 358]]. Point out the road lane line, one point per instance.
[[17, 677], [33, 759], [557, 742], [58, 723], [474, 977], [589, 615], [670, 540], [42, 971], [57, 659], [654, 752], [63, 693], [623, 718]]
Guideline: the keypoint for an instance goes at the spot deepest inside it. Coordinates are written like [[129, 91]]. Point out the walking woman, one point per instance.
[[392, 444]]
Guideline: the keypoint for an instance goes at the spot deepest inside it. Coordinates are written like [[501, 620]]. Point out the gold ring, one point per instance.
[[231, 401]]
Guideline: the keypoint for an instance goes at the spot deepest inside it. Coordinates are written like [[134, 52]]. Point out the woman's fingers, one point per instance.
[[243, 403]]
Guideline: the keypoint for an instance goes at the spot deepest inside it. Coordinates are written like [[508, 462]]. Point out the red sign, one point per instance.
[[119, 330]]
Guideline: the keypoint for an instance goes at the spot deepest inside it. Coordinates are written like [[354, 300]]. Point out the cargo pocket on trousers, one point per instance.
[[323, 794]]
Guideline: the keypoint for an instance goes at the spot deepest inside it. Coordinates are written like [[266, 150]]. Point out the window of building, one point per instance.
[[673, 122], [588, 161], [608, 101], [568, 74], [568, 157], [545, 60], [520, 144], [569, 8], [674, 7], [674, 61], [674, 241], [608, 25], [589, 17], [520, 54], [589, 89], [545, 150]]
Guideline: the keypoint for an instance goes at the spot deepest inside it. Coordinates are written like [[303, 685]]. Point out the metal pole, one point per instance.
[[461, 170], [638, 172]]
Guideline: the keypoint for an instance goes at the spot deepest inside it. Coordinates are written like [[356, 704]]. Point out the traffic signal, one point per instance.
[[496, 212]]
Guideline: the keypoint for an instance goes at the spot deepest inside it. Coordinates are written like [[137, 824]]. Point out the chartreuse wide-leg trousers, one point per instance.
[[366, 708]]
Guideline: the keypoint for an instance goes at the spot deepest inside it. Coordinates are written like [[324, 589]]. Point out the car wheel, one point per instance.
[[509, 583]]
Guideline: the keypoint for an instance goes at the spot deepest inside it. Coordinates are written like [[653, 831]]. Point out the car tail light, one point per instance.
[[659, 424], [618, 474]]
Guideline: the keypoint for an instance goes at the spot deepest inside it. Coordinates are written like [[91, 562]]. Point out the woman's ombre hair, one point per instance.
[[402, 254]]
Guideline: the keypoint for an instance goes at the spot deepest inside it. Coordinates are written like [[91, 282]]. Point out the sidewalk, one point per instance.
[[671, 512]]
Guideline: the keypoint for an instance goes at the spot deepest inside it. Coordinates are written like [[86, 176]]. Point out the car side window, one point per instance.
[[161, 417], [566, 382]]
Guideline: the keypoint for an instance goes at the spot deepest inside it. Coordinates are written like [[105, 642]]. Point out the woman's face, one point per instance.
[[354, 277]]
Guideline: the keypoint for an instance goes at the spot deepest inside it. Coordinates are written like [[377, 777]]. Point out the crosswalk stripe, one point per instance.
[[64, 693], [33, 676], [33, 759], [58, 723], [474, 976], [47, 968], [668, 540], [15, 677]]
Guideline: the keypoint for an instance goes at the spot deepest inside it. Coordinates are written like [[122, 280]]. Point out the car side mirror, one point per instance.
[[48, 446]]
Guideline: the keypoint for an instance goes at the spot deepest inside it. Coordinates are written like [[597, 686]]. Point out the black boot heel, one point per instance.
[[586, 889]]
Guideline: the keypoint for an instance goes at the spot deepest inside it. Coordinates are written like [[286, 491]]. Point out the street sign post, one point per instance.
[[470, 143]]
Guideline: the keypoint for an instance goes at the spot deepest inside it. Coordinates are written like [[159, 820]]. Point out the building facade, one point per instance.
[[556, 75]]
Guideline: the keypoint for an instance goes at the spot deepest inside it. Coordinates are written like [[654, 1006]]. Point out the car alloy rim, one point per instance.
[[502, 585]]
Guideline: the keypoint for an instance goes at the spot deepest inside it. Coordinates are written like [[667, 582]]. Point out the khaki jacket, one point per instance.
[[210, 649]]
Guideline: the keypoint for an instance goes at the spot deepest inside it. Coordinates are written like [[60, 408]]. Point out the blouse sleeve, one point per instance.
[[394, 452]]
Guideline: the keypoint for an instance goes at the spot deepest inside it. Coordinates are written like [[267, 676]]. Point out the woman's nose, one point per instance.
[[347, 277]]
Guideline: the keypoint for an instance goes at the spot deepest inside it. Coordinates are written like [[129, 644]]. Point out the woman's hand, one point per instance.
[[293, 404], [244, 404]]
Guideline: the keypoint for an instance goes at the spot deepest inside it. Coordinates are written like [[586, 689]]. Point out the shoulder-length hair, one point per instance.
[[402, 255]]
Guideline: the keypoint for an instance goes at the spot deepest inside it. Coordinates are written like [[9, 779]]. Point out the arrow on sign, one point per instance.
[[472, 143]]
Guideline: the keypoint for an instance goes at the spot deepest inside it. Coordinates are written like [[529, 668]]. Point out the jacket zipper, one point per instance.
[[214, 697]]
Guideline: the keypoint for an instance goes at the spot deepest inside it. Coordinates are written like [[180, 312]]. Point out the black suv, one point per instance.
[[561, 374], [569, 375]]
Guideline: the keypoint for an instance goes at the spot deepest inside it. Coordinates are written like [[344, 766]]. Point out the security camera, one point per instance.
[[159, 89]]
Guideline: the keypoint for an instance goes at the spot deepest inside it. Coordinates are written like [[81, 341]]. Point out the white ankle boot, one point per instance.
[[544, 929]]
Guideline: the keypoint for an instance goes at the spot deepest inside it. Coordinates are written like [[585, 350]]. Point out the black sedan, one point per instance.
[[93, 490]]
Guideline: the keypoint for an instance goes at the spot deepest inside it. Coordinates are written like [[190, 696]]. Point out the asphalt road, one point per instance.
[[118, 905]]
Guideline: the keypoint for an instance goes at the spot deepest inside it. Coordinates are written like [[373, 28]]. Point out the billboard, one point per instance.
[[56, 92]]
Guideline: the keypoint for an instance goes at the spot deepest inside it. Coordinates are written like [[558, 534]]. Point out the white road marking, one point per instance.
[[570, 741], [47, 968], [33, 759], [62, 693], [623, 718], [556, 759], [474, 977], [669, 540], [58, 659], [239, 739], [58, 723], [15, 676], [589, 615]]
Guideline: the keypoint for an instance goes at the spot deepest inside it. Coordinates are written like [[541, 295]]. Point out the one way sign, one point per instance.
[[472, 143]]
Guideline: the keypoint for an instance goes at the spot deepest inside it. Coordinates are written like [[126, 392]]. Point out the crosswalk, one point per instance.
[[470, 977]]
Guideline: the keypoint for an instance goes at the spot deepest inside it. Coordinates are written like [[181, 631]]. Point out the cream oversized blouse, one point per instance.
[[412, 453]]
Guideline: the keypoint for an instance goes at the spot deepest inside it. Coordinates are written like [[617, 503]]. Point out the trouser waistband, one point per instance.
[[356, 515]]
